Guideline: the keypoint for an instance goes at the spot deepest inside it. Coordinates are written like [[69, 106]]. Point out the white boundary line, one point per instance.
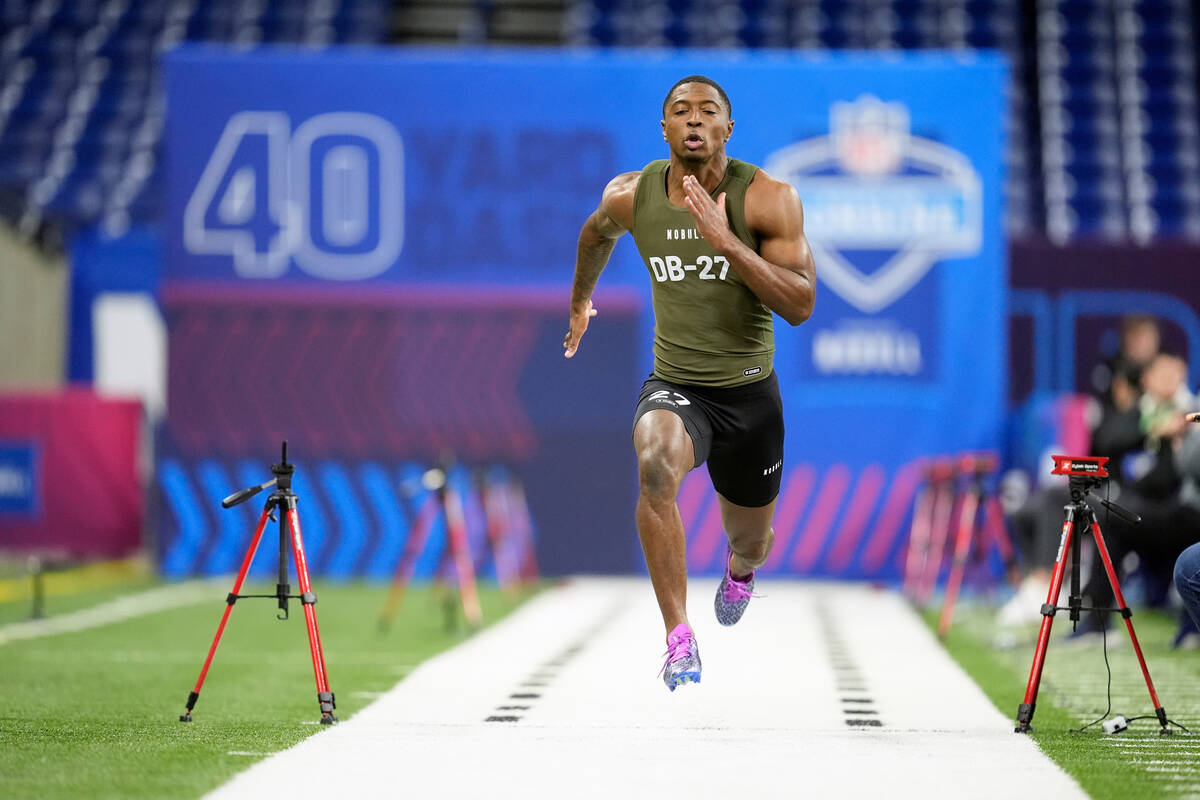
[[123, 608]]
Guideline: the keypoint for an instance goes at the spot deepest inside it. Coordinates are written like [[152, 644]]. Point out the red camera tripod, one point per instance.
[[1085, 474], [980, 520], [282, 498]]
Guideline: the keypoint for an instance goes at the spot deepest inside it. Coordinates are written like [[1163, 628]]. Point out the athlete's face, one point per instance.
[[697, 124]]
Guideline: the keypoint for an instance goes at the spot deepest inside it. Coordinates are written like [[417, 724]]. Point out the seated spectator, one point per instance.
[[1150, 458], [1187, 583], [1140, 342]]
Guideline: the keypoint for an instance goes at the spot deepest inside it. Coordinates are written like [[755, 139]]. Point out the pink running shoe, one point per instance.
[[683, 658], [732, 597]]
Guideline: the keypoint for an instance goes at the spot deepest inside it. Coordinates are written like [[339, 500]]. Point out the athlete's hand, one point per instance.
[[711, 222], [579, 325]]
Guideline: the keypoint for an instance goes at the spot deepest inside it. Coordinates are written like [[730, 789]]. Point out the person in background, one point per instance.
[[1187, 583], [1115, 380], [1145, 443], [1116, 432], [1187, 564]]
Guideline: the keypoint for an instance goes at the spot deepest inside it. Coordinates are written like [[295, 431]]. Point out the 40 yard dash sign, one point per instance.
[[327, 196]]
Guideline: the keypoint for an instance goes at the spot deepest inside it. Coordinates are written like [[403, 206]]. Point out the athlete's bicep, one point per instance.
[[781, 232]]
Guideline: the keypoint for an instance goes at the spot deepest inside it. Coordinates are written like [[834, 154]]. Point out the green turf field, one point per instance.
[[1133, 765], [96, 713]]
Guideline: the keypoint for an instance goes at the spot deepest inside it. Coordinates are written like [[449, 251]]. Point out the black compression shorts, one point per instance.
[[738, 430]]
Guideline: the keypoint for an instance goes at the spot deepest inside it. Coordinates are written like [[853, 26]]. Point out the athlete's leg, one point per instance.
[[665, 455], [750, 535]]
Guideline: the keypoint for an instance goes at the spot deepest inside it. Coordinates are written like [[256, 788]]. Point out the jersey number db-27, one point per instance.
[[672, 268]]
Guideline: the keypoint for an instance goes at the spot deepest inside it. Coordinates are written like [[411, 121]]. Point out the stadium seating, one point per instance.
[[1110, 85], [1103, 141], [81, 100]]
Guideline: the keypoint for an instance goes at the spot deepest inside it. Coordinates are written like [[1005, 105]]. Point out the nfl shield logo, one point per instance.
[[881, 206], [869, 136]]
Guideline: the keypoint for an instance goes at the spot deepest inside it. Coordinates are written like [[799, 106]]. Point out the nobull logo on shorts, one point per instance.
[[881, 206]]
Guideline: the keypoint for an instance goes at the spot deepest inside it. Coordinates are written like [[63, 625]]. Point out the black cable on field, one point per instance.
[[1108, 691], [1108, 667], [1103, 637], [1155, 717]]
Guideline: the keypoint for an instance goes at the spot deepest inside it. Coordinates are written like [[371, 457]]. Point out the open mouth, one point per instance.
[[693, 141]]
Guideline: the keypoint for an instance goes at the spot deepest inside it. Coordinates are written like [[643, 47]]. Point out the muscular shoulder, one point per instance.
[[773, 206], [617, 201]]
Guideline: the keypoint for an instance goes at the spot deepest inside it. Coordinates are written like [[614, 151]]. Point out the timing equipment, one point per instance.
[[284, 500], [1085, 473]]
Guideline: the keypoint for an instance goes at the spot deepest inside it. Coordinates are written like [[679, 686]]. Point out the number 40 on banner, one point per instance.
[[329, 196]]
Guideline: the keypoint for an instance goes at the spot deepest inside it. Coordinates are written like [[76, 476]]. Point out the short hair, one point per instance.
[[699, 79]]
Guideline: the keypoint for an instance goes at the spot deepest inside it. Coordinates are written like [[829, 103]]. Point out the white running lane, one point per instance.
[[822, 690]]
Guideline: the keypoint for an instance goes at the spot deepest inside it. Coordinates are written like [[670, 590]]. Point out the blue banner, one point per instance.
[[478, 167], [19, 479]]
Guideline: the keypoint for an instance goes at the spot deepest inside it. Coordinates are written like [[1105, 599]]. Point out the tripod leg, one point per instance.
[[918, 541], [308, 599], [498, 533], [1127, 615], [943, 515], [417, 538], [230, 599], [460, 547], [962, 549], [998, 534], [518, 509], [1025, 710]]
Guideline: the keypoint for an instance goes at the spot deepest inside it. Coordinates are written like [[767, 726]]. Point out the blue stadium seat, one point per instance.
[[1095, 44]]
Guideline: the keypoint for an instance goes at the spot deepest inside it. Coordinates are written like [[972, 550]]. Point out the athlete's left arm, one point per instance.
[[781, 273]]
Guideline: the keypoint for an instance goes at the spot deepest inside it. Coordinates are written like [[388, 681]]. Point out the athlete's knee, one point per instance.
[[664, 453], [658, 473], [1187, 574], [753, 547]]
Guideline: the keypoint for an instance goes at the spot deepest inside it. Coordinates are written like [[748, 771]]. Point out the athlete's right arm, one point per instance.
[[597, 239]]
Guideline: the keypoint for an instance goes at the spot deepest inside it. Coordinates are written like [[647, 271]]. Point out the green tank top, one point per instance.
[[709, 328]]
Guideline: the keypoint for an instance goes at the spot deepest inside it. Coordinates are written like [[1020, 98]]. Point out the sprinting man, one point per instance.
[[724, 243]]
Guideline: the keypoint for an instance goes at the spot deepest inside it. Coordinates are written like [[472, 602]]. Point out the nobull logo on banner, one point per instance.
[[881, 205]]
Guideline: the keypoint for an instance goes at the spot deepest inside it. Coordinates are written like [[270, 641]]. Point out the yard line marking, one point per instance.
[[135, 605]]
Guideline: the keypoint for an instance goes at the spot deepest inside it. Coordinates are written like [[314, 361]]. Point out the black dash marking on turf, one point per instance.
[[545, 673], [847, 677]]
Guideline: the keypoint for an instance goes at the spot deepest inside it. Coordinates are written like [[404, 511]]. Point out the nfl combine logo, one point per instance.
[[875, 194]]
